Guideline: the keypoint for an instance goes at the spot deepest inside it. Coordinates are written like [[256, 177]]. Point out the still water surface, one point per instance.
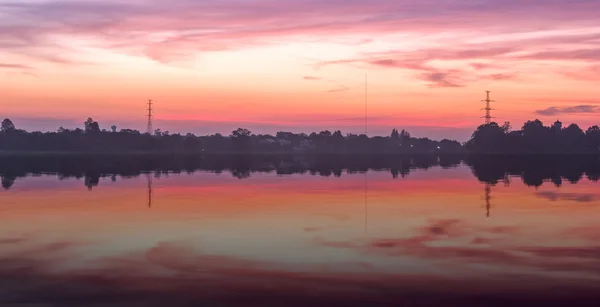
[[436, 235]]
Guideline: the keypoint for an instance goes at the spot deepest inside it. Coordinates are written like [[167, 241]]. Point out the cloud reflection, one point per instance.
[[176, 275], [578, 197]]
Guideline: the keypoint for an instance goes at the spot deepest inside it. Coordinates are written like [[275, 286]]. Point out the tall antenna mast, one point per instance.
[[488, 116], [149, 127], [365, 104], [366, 205]]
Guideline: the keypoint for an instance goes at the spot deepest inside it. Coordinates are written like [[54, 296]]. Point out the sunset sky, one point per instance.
[[299, 65]]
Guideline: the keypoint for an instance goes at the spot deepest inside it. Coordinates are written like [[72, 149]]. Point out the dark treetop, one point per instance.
[[533, 138]]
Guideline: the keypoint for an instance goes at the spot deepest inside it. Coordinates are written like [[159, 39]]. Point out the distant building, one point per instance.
[[557, 125]]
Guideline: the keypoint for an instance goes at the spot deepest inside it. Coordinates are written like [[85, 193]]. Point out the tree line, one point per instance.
[[91, 138], [532, 138]]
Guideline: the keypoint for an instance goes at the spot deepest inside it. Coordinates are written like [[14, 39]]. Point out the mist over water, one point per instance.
[[299, 231]]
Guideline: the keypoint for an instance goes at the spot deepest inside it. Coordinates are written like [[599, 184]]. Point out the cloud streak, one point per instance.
[[337, 90], [488, 245], [440, 79], [155, 27], [578, 197], [580, 109], [14, 66]]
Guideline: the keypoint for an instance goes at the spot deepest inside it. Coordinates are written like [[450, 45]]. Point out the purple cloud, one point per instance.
[[194, 26], [581, 109], [14, 66], [578, 197], [441, 79], [586, 55], [499, 77]]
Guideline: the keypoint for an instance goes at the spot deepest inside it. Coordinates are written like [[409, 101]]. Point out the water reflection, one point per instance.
[[297, 231], [533, 171]]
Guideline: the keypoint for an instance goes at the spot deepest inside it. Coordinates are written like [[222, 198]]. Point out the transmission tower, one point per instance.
[[149, 127], [488, 116]]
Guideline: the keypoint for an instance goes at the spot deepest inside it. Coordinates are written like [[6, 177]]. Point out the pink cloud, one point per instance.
[[312, 229], [14, 66], [481, 66], [213, 25], [419, 61], [499, 77], [176, 275], [338, 89], [580, 54], [488, 245], [588, 73], [441, 79]]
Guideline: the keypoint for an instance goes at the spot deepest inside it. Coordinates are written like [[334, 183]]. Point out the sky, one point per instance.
[[299, 65]]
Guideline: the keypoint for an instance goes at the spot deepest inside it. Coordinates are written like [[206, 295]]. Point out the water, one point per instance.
[[432, 235]]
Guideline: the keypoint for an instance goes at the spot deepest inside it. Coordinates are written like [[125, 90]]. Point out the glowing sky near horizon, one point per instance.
[[299, 65]]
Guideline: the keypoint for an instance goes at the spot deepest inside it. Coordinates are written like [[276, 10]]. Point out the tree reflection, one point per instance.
[[533, 170], [8, 181]]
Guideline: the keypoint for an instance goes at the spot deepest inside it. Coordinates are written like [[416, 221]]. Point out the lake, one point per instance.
[[463, 233]]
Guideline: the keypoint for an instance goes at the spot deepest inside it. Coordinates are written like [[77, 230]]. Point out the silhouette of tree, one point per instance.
[[571, 138], [487, 138], [241, 138], [8, 126], [593, 130], [533, 137], [337, 141], [506, 127], [241, 133], [404, 137], [592, 135], [536, 137], [191, 143], [91, 126]]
